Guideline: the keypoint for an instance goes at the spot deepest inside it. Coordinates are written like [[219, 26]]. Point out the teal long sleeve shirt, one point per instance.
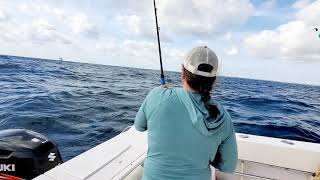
[[182, 138]]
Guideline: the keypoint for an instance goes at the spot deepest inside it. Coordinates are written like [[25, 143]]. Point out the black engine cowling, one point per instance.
[[26, 154]]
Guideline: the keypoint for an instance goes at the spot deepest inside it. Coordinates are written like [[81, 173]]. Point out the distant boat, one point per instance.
[[60, 59]]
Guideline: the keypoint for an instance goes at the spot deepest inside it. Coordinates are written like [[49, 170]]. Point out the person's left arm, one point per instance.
[[140, 121], [148, 106]]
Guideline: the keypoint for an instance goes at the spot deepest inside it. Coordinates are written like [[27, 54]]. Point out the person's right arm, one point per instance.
[[226, 158]]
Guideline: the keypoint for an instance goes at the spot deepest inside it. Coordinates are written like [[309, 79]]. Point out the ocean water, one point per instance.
[[82, 105]]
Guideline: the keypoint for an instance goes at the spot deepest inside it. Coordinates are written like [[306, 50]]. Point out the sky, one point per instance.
[[257, 39]]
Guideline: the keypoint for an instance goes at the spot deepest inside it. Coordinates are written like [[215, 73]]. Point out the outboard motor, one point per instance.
[[26, 154]]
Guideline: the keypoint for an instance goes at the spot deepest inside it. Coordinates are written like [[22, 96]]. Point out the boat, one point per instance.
[[122, 157], [263, 158]]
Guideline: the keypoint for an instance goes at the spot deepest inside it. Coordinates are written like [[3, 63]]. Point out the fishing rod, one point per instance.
[[162, 80]]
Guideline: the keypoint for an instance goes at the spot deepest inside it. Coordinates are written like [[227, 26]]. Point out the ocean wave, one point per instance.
[[10, 66], [284, 131], [81, 105]]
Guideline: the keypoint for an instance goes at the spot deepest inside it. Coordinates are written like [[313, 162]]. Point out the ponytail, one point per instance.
[[203, 85]]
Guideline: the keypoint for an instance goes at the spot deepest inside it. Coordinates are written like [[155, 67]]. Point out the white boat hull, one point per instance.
[[259, 158]]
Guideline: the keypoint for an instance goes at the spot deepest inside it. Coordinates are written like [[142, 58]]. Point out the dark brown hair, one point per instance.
[[203, 85]]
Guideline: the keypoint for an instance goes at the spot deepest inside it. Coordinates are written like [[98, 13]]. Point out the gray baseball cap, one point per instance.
[[198, 57]]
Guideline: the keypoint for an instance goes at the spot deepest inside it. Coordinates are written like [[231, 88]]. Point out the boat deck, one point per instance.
[[259, 158]]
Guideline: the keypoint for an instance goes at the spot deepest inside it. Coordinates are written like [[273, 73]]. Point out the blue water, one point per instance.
[[81, 105]]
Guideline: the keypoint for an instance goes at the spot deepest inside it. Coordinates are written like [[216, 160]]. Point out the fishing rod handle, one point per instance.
[[162, 81]]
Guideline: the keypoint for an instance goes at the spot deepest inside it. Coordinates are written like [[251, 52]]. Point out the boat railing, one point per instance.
[[241, 170]]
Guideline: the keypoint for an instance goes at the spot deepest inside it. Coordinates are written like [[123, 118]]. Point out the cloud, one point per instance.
[[294, 40], [134, 53], [193, 18], [228, 36], [266, 8], [31, 30], [71, 21], [300, 4], [3, 16], [201, 42], [135, 24], [44, 23], [139, 26], [206, 17], [176, 54], [232, 51], [127, 48], [40, 31], [310, 14], [136, 48], [79, 23]]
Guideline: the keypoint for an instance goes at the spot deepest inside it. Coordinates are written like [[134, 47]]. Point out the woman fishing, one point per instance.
[[187, 129]]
